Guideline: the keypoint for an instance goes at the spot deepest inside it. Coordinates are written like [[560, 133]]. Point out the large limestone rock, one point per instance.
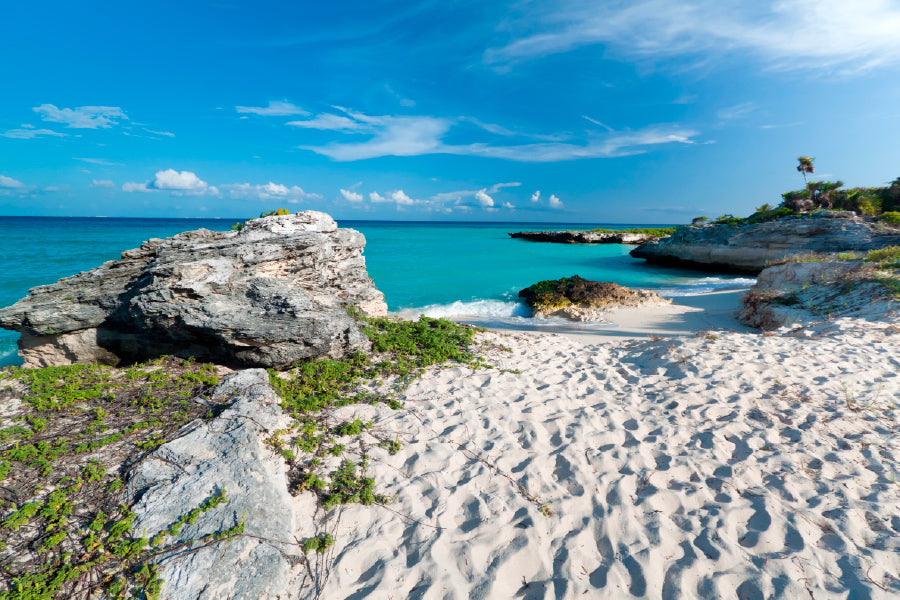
[[749, 248], [266, 296], [228, 452]]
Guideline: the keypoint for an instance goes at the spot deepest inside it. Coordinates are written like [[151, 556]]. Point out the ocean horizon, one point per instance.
[[468, 271]]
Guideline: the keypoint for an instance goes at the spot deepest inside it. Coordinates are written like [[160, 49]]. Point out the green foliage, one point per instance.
[[320, 544], [728, 220], [763, 216], [891, 217], [657, 231], [266, 213], [80, 420], [884, 256], [699, 220]]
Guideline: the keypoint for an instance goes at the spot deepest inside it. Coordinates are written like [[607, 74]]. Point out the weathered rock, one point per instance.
[[227, 453], [581, 299], [798, 293], [269, 295], [749, 248], [584, 237]]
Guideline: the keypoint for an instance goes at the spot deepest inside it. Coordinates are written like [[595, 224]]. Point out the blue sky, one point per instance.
[[648, 111]]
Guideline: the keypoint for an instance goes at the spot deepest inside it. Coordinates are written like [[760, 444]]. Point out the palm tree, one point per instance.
[[806, 166]]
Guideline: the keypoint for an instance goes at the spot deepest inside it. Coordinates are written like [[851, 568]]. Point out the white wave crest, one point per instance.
[[705, 285], [475, 308]]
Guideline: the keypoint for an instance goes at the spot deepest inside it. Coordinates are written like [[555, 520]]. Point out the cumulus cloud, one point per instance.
[[555, 202], [508, 205], [483, 199], [102, 183], [175, 182], [30, 133], [402, 199], [9, 183], [828, 35], [274, 109], [536, 196], [376, 197], [351, 196], [83, 117], [269, 191]]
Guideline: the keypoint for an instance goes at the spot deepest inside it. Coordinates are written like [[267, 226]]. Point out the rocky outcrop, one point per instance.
[[271, 294], [583, 237], [227, 453], [749, 248], [581, 299], [798, 293]]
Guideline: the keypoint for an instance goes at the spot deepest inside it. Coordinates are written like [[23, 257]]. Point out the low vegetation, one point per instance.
[[267, 213], [657, 231], [66, 530]]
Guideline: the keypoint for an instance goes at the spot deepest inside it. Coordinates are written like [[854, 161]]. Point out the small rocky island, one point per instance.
[[587, 237], [581, 299]]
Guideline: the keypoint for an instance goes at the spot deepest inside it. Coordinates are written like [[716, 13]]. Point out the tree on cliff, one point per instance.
[[806, 166]]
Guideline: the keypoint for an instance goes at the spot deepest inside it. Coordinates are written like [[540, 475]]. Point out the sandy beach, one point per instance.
[[680, 455]]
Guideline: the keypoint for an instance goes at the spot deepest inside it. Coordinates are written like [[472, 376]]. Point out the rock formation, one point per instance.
[[581, 299], [798, 293], [228, 453], [584, 237], [749, 248], [271, 294]]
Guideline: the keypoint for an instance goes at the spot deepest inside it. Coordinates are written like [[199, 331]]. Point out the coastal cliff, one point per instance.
[[748, 248], [266, 296]]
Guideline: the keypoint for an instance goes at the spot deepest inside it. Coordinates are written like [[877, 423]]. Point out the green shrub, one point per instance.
[[891, 217], [884, 256]]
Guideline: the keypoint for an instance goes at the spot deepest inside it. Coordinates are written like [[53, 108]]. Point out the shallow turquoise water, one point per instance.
[[443, 269]]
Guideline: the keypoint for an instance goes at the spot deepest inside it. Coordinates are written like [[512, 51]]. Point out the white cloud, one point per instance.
[[165, 133], [393, 136], [508, 205], [421, 135], [181, 181], [831, 35], [499, 186], [176, 182], [329, 122], [134, 186], [83, 117], [483, 199], [536, 196], [102, 183], [555, 202], [274, 109], [9, 183], [376, 197], [738, 111], [99, 161], [30, 133], [402, 199], [269, 191], [351, 196]]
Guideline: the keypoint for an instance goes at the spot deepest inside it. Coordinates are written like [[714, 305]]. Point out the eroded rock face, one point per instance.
[[749, 248], [581, 299], [803, 292], [266, 296]]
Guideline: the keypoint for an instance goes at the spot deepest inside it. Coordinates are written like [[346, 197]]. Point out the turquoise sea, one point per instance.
[[467, 271]]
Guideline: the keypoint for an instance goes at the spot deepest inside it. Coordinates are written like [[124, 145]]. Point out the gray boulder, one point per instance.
[[268, 295], [749, 248], [228, 453]]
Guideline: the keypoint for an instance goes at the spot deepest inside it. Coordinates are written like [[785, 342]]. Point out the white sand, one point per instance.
[[723, 465]]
